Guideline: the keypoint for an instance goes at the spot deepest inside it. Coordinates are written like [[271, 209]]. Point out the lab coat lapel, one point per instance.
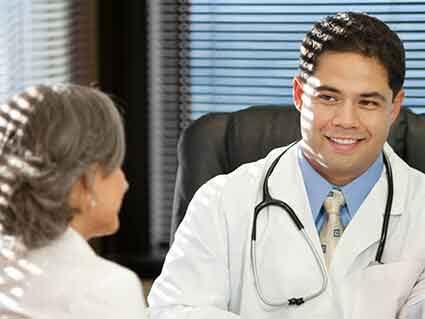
[[286, 184], [294, 270], [364, 230]]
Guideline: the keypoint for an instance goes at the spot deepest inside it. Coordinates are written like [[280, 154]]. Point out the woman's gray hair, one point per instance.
[[70, 129]]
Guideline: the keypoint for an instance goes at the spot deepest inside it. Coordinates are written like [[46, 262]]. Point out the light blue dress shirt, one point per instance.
[[354, 193]]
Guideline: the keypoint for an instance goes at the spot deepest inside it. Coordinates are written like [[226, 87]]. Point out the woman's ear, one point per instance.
[[82, 190], [77, 196], [297, 92]]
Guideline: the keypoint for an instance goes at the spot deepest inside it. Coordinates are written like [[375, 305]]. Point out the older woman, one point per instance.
[[61, 183]]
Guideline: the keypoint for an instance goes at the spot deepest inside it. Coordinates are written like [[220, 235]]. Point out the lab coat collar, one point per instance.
[[400, 180]]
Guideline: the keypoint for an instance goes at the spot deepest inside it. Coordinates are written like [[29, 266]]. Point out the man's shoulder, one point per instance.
[[243, 182], [252, 171], [408, 182], [402, 168]]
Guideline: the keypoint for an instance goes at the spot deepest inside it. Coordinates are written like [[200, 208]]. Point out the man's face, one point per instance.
[[347, 109]]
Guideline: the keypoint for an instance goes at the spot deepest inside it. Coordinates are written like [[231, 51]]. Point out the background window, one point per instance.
[[220, 55], [45, 41]]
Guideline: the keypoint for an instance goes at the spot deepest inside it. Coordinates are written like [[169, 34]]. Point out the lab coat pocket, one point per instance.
[[380, 290]]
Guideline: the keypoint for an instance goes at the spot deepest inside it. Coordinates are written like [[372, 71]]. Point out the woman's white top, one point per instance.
[[77, 283]]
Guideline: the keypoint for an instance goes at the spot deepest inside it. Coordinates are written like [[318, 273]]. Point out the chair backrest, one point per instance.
[[218, 143]]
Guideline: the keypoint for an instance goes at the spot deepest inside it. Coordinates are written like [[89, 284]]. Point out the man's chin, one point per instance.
[[343, 173]]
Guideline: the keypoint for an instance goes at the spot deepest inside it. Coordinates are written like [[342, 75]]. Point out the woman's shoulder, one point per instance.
[[112, 287], [71, 254], [77, 281]]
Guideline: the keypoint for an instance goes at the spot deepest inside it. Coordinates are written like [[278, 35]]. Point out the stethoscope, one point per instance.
[[268, 200]]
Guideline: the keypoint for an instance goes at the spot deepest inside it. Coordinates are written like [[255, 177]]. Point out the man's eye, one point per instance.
[[327, 98], [369, 103]]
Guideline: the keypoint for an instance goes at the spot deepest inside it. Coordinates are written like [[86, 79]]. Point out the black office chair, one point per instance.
[[218, 143]]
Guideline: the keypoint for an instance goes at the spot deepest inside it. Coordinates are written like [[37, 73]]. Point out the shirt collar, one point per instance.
[[317, 187]]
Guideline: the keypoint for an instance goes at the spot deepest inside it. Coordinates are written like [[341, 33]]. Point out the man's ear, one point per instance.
[[398, 101], [297, 92]]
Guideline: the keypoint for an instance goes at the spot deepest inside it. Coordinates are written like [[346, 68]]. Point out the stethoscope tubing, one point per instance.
[[387, 214], [294, 300], [268, 200]]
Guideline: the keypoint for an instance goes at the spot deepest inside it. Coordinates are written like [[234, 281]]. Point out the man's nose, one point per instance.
[[346, 115]]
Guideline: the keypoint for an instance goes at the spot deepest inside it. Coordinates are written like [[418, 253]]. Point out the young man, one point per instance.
[[338, 182]]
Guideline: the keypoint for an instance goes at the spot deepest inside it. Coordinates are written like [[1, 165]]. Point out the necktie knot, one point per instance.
[[334, 201]]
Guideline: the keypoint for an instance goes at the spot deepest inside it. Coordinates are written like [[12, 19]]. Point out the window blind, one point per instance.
[[44, 41], [224, 55], [166, 103], [241, 53]]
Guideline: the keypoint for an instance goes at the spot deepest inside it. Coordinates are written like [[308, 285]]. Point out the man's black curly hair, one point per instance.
[[357, 33]]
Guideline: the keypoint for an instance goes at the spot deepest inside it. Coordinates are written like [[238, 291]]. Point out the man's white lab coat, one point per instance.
[[207, 273]]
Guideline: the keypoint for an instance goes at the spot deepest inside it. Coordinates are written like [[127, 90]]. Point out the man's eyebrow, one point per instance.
[[327, 88]]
